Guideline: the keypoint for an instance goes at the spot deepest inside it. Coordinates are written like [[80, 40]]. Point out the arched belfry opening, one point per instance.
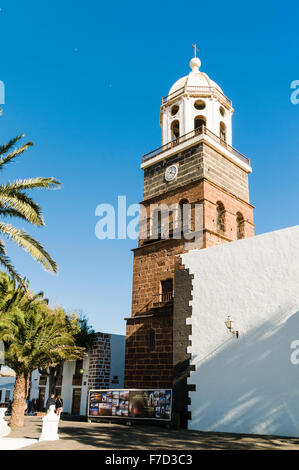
[[175, 129], [220, 212], [240, 226], [199, 123], [222, 131]]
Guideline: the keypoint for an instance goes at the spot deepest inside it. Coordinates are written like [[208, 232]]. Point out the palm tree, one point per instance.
[[34, 335], [14, 202], [84, 335]]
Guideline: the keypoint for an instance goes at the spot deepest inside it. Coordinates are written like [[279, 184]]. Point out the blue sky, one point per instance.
[[84, 81]]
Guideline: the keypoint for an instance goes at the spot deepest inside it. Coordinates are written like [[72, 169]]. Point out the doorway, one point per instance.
[[166, 290], [41, 398], [76, 402]]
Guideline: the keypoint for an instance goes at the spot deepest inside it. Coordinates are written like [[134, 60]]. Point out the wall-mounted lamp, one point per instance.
[[82, 372], [229, 325]]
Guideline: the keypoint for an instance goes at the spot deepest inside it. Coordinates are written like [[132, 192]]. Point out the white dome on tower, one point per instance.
[[194, 101], [195, 78]]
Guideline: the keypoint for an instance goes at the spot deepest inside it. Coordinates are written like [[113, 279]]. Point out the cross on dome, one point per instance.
[[195, 49], [195, 62]]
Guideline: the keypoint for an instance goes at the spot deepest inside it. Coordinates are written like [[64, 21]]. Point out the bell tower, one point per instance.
[[196, 167]]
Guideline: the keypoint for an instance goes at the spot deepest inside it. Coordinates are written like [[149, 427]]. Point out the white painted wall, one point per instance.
[[248, 384], [6, 386], [34, 390], [67, 387]]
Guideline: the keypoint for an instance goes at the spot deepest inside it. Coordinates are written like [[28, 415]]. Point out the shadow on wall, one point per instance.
[[250, 386]]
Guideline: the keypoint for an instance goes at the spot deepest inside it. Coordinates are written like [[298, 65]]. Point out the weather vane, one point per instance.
[[195, 49]]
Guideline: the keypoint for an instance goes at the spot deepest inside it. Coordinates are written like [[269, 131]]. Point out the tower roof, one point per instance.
[[194, 79]]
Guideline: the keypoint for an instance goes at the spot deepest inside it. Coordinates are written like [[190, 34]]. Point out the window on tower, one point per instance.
[[199, 104], [185, 214], [222, 111], [240, 226], [175, 129], [174, 110], [199, 123], [166, 290], [159, 224], [223, 131], [156, 224], [220, 209]]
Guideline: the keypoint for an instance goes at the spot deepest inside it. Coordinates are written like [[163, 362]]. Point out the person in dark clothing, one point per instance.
[[33, 406], [59, 405], [50, 401], [9, 407]]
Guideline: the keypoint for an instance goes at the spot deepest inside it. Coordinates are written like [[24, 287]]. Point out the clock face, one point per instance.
[[171, 172]]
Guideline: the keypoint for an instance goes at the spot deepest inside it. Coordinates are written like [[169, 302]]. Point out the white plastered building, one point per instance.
[[246, 378]]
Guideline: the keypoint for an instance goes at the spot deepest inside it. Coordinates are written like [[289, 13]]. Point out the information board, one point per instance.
[[131, 403]]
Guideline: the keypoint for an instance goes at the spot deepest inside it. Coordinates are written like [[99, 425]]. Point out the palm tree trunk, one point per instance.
[[19, 402]]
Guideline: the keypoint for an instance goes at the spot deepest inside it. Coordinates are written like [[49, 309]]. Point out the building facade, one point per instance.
[[7, 382], [102, 368], [198, 183], [245, 371]]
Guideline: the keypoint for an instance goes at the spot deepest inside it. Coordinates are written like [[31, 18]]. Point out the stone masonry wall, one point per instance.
[[181, 334], [190, 169], [155, 262], [211, 195], [144, 367], [193, 164], [225, 174], [100, 360]]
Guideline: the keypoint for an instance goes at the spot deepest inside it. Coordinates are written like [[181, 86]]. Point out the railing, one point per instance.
[[173, 95], [203, 90], [190, 135], [165, 297], [172, 232], [158, 300]]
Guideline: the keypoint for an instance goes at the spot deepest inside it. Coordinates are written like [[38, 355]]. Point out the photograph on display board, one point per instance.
[[139, 406], [105, 409], [124, 394]]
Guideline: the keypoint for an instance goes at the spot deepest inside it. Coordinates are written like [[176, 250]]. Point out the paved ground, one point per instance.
[[93, 436], [15, 443]]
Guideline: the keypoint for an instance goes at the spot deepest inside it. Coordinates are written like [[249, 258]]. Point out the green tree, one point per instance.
[[83, 335], [35, 337], [86, 333], [14, 202]]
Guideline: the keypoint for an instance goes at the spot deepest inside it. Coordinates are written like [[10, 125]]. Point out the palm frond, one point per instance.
[[6, 263], [32, 246], [32, 183], [30, 210], [15, 153], [12, 213], [5, 148]]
